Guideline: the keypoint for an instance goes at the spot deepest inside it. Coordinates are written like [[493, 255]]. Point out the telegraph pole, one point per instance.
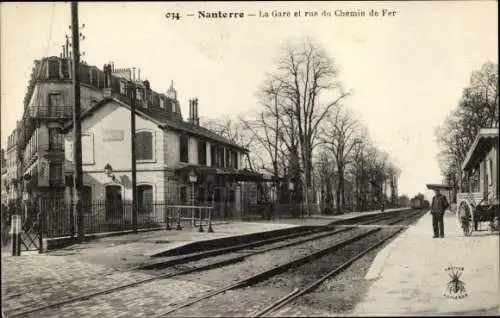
[[77, 124], [133, 155]]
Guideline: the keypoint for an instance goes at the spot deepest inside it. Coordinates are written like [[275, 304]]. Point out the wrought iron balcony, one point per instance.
[[51, 112], [56, 181]]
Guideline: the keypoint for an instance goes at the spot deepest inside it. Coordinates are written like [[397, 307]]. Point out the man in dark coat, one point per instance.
[[438, 207]]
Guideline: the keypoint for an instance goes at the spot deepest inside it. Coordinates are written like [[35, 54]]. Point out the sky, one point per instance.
[[406, 71]]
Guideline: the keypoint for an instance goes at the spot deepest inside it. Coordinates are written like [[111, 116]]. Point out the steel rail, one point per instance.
[[255, 278], [328, 228], [296, 293]]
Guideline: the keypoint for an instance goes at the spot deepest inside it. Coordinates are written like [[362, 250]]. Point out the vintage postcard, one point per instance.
[[220, 159]]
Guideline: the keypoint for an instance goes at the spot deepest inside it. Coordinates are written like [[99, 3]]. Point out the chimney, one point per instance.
[[196, 120], [191, 104], [133, 73], [139, 74]]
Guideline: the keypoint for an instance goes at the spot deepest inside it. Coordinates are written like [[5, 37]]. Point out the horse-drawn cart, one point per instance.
[[471, 214], [478, 200]]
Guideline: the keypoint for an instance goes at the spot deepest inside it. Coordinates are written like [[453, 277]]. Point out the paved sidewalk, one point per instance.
[[351, 215], [409, 276], [33, 279]]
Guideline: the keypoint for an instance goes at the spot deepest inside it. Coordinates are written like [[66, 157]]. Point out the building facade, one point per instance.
[[48, 107], [480, 171], [168, 148]]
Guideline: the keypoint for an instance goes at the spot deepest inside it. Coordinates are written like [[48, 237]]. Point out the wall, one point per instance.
[[493, 184], [89, 95], [110, 129]]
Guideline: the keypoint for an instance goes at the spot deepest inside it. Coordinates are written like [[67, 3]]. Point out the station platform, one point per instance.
[[126, 251], [408, 276], [351, 215]]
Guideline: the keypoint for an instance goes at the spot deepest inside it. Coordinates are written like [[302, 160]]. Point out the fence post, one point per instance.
[[41, 224], [179, 227], [16, 235], [200, 229], [210, 229], [167, 226]]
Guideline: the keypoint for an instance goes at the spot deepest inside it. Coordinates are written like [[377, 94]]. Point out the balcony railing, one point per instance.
[[55, 112], [56, 182]]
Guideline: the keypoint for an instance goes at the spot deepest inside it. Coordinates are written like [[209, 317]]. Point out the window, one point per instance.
[[55, 99], [202, 152], [234, 155], [213, 156], [55, 175], [162, 103], [84, 74], [101, 78], [65, 68], [114, 203], [221, 163], [53, 69], [145, 198], [184, 148], [144, 145], [56, 140], [169, 105], [474, 183], [94, 79], [122, 88], [229, 158], [490, 172], [138, 94]]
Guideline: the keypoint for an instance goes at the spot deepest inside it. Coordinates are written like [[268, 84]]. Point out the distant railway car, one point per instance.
[[416, 203]]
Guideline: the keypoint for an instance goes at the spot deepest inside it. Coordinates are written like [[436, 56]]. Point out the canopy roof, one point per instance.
[[236, 174], [434, 186], [482, 143]]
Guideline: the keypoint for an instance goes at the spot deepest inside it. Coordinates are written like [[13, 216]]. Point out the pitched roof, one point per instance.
[[483, 135], [162, 119]]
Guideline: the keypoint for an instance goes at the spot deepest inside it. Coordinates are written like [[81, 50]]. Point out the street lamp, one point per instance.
[[193, 178], [108, 171]]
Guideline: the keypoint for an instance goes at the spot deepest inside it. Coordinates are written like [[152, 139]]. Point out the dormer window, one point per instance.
[[162, 103], [53, 66], [122, 88]]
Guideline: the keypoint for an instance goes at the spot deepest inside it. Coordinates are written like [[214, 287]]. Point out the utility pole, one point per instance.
[[77, 123], [133, 155]]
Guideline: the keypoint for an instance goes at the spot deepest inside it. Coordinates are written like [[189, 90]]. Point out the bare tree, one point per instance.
[[340, 136], [306, 74]]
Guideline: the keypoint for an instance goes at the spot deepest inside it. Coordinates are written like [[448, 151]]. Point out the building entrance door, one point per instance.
[[114, 202]]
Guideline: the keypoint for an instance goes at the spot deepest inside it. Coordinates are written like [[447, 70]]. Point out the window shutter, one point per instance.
[[144, 145]]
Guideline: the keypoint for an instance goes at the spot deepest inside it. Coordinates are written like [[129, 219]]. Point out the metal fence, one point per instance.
[[58, 217]]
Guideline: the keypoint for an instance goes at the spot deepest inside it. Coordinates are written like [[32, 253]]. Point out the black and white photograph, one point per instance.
[[249, 159]]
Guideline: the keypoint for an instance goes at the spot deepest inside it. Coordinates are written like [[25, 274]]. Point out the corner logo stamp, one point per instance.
[[455, 287]]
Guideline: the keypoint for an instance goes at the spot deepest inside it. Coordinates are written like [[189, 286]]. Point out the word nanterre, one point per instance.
[[220, 14]]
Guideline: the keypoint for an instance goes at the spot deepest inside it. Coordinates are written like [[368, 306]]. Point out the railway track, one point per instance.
[[189, 264], [307, 262]]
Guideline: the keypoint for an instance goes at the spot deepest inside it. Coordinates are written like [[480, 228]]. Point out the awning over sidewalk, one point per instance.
[[482, 143], [434, 186], [235, 174]]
